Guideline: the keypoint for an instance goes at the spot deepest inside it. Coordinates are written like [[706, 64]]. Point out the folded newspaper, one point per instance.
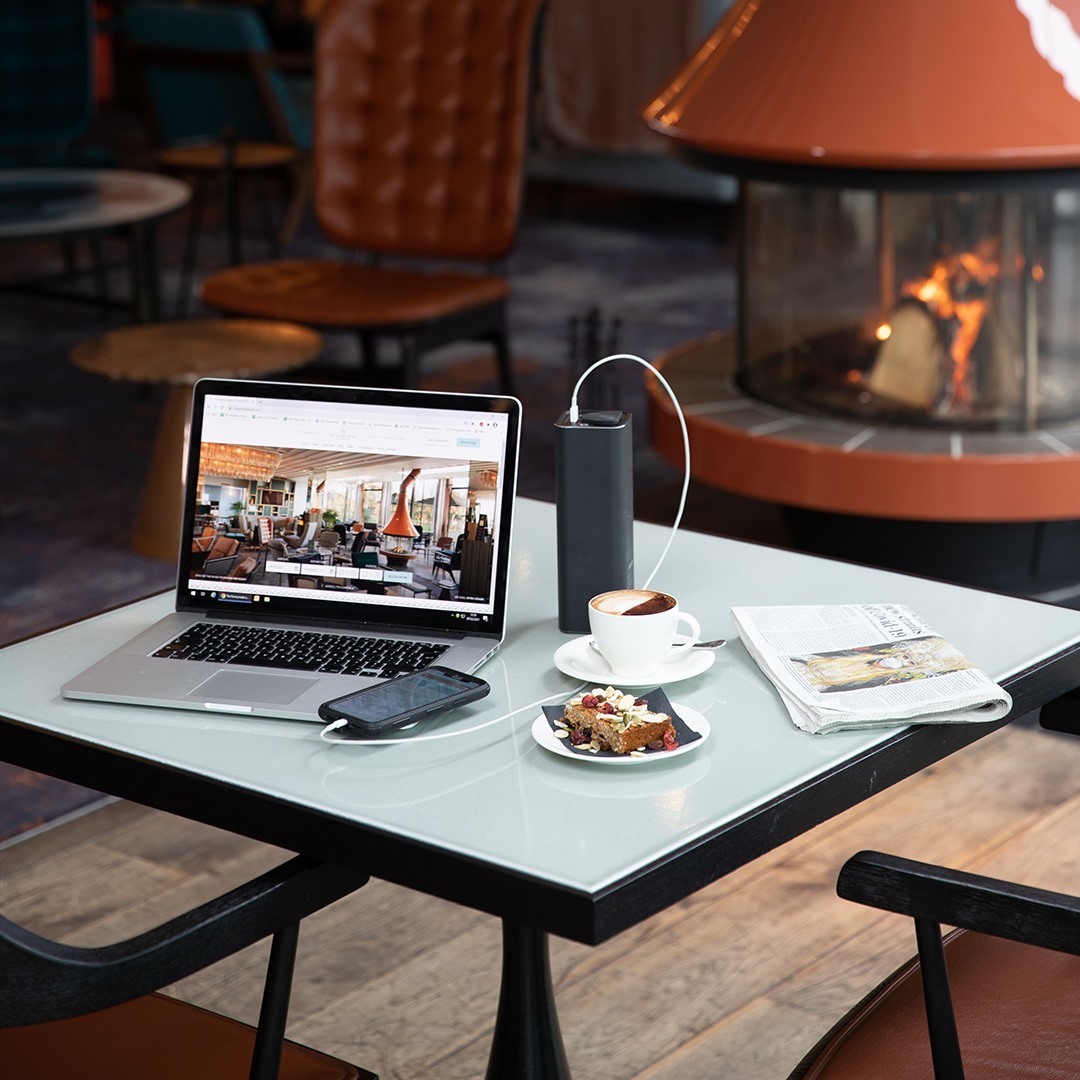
[[839, 667]]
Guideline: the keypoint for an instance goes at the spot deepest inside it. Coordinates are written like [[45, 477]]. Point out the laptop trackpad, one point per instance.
[[245, 688]]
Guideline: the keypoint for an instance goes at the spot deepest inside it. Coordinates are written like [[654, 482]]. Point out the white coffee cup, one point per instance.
[[635, 629]]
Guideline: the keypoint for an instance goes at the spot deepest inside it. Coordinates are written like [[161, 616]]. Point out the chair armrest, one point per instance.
[[46, 980], [988, 905]]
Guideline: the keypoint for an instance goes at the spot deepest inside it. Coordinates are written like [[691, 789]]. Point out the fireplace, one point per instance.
[[952, 309], [905, 372]]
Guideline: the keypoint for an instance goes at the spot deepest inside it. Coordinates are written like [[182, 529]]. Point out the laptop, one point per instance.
[[332, 537]]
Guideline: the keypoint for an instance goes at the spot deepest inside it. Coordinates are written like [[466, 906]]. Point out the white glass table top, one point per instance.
[[61, 201], [494, 795]]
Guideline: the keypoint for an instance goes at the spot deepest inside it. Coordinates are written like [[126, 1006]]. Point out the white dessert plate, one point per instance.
[[578, 659], [543, 734]]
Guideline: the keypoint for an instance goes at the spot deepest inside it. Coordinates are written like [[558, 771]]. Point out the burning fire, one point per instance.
[[957, 292]]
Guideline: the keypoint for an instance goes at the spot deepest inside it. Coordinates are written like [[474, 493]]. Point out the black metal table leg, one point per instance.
[[527, 1044], [145, 272]]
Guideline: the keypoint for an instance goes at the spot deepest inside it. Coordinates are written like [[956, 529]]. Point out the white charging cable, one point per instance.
[[326, 734], [685, 440]]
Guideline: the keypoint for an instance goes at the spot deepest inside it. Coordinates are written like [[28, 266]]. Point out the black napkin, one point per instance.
[[658, 702]]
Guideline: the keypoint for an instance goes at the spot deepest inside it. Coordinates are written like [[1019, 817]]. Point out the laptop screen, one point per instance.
[[349, 505]]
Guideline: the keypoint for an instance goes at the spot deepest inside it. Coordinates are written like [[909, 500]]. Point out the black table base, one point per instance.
[[527, 1044]]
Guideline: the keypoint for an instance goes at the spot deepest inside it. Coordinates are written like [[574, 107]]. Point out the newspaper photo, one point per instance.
[[847, 666]]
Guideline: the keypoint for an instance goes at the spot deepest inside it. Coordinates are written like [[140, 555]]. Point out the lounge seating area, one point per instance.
[[288, 559], [273, 536]]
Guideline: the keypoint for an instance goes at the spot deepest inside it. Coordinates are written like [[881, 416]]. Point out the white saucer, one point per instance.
[[580, 660], [542, 733]]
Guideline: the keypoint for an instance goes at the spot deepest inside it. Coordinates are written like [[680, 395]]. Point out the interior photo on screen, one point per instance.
[[280, 520]]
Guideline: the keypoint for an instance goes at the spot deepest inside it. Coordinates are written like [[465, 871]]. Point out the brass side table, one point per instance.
[[179, 354]]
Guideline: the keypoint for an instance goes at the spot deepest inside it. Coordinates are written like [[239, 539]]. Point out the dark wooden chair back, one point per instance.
[[1000, 988], [44, 984]]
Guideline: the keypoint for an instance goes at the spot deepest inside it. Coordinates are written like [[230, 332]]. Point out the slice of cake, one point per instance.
[[608, 719]]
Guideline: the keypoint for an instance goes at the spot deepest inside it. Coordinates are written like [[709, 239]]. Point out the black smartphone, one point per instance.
[[404, 699]]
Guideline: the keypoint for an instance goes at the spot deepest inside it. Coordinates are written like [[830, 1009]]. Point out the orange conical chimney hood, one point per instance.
[[400, 524], [906, 85]]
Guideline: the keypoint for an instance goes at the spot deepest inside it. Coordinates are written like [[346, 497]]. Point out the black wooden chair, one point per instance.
[[1003, 986], [67, 1011]]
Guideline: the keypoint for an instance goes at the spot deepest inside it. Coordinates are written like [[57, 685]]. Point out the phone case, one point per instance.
[[470, 692]]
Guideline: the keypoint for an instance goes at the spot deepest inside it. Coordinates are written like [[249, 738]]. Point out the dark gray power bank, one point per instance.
[[594, 511]]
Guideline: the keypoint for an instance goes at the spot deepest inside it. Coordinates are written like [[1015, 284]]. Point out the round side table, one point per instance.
[[179, 354], [68, 203]]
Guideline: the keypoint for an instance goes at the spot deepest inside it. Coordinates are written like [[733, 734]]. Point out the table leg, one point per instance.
[[145, 273], [527, 1044]]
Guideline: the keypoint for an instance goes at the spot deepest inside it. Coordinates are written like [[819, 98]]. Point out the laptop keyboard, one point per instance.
[[300, 650]]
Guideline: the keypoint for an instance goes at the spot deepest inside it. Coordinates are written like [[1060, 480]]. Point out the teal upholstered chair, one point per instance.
[[219, 106], [46, 79], [194, 96], [47, 96]]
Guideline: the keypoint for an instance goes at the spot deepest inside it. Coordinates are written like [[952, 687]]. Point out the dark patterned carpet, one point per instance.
[[594, 270]]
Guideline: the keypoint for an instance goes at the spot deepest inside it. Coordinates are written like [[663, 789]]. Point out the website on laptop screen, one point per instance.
[[301, 503]]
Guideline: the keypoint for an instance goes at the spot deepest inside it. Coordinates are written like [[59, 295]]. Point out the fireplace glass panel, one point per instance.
[[935, 308]]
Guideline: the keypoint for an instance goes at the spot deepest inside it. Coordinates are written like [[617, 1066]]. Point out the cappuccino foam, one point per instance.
[[633, 602]]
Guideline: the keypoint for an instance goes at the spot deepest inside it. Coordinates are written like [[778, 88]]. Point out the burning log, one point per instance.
[[912, 363], [915, 366], [928, 353]]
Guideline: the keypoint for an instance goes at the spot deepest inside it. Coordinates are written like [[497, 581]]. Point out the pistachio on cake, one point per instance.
[[608, 719]]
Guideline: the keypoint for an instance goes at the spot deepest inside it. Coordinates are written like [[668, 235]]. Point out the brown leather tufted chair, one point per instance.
[[420, 123], [1003, 987]]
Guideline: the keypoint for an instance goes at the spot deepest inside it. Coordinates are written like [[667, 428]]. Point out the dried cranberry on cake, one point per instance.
[[613, 720]]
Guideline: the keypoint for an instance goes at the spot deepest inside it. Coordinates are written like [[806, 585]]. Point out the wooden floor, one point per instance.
[[735, 982]]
